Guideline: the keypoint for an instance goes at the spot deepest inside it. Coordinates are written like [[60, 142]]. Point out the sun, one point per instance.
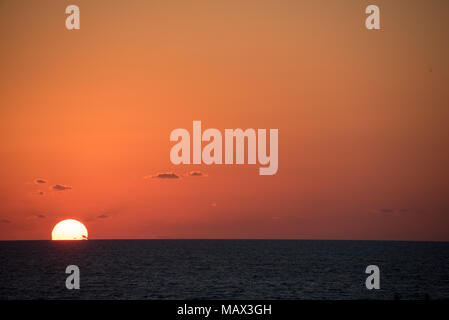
[[69, 229]]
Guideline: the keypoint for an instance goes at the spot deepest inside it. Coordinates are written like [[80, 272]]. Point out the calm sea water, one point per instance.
[[223, 269]]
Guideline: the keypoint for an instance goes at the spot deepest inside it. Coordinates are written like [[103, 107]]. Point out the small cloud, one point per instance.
[[41, 193], [389, 211], [5, 221], [167, 175], [104, 214], [197, 174], [60, 187], [36, 216], [40, 181], [213, 204]]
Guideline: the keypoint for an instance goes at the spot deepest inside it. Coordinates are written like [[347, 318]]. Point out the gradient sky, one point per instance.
[[363, 118]]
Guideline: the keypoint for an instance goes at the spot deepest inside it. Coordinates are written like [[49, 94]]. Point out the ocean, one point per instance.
[[224, 269]]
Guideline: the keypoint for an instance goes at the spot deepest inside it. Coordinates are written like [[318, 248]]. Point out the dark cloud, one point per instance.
[[167, 175], [60, 187], [104, 214], [5, 221], [41, 193], [40, 216], [197, 174], [390, 211], [40, 181]]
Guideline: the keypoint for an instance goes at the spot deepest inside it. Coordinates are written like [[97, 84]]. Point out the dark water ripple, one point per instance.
[[223, 269]]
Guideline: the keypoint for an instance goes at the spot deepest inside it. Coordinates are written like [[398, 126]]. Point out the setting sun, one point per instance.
[[69, 229]]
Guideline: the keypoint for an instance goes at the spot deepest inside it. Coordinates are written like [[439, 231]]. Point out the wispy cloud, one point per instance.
[[172, 175], [40, 181], [5, 221], [197, 174], [165, 175], [389, 211], [60, 187], [104, 214]]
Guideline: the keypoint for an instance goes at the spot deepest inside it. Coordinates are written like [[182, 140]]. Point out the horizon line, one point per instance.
[[229, 239]]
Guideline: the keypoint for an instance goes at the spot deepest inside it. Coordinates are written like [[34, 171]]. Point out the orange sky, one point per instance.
[[363, 118]]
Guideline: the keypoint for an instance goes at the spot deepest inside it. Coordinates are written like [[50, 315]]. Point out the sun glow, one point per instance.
[[69, 229]]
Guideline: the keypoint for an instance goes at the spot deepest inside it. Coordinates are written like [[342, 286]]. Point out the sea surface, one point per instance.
[[223, 269]]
